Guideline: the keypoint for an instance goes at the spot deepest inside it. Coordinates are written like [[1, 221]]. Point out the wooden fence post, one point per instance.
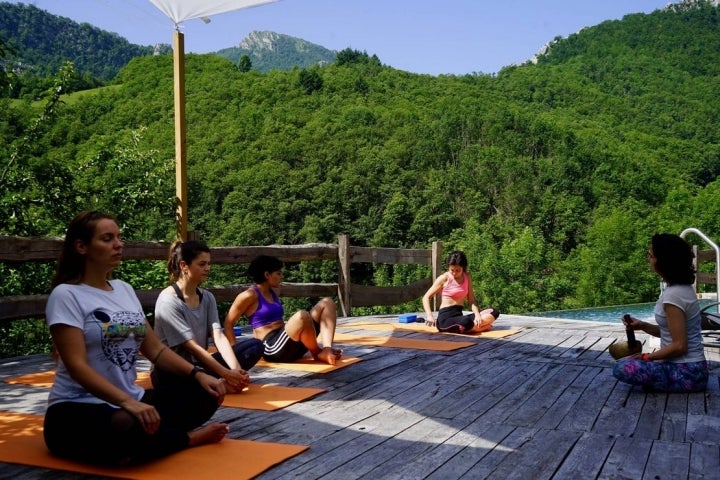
[[437, 267], [344, 277]]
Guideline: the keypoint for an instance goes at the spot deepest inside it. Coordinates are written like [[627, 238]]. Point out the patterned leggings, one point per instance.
[[663, 376]]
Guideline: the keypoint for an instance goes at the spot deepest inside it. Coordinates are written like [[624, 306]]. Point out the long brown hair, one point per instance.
[[183, 251], [71, 264]]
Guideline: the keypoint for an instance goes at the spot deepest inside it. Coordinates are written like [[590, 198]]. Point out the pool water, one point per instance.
[[613, 314]]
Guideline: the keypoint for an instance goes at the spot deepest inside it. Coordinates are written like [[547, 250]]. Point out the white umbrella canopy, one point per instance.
[[179, 11]]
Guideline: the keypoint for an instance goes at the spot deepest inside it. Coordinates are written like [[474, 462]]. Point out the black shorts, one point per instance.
[[279, 347]]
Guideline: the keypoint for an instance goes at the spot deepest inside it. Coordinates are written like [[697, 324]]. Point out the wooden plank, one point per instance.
[[466, 450], [534, 459], [33, 306], [704, 460], [651, 416], [390, 255], [587, 457], [674, 420], [668, 460], [627, 459], [568, 402], [541, 400], [309, 252], [370, 295], [582, 417], [619, 415]]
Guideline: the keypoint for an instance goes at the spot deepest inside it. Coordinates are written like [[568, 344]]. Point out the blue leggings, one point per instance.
[[663, 376]]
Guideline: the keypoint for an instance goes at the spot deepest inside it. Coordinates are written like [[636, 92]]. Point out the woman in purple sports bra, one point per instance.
[[283, 341], [455, 287]]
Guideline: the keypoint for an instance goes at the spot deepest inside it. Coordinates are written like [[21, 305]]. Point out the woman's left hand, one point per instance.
[[215, 386]]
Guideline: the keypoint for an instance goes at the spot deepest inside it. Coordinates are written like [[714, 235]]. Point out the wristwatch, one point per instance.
[[196, 369]]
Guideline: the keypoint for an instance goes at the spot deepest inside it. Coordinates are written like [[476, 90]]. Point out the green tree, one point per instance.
[[244, 64]]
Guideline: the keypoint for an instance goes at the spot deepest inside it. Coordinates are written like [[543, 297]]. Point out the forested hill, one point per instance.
[[44, 41], [551, 176]]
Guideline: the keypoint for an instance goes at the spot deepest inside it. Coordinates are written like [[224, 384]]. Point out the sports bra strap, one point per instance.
[[180, 295]]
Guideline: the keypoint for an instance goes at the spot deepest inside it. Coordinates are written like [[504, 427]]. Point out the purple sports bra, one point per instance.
[[266, 312], [455, 290]]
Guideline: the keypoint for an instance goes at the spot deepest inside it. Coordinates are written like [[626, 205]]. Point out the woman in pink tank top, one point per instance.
[[455, 287]]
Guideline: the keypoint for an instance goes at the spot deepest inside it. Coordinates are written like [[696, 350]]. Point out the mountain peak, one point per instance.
[[275, 51]]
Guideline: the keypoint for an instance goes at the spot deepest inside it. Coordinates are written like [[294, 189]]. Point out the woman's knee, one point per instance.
[[324, 308], [300, 320]]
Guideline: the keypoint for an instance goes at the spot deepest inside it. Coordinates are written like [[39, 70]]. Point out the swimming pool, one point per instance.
[[612, 314]]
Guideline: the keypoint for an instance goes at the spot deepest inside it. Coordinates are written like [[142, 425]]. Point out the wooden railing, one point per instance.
[[348, 294]]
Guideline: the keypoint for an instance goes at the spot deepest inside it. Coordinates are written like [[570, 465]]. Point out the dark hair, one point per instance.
[[457, 258], [262, 264], [673, 259], [183, 252], [71, 264]]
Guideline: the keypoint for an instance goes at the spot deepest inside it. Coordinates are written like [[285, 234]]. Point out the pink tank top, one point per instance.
[[455, 290]]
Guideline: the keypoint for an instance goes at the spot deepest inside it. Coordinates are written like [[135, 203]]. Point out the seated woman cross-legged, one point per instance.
[[96, 412], [456, 288], [283, 341], [679, 365], [186, 317]]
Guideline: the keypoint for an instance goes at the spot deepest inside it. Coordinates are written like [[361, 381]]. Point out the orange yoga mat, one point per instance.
[[308, 364], [422, 328], [395, 342], [21, 442], [254, 397], [269, 397]]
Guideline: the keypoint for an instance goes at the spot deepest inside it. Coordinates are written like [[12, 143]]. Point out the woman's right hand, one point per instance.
[[632, 322], [146, 414], [430, 321]]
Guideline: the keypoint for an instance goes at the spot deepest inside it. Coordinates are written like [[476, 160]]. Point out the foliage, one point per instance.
[[97, 55], [24, 337], [551, 176]]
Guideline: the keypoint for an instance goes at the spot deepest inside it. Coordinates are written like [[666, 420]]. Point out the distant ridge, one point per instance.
[[274, 51]]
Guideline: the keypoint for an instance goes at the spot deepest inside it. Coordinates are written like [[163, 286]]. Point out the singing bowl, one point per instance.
[[619, 350]]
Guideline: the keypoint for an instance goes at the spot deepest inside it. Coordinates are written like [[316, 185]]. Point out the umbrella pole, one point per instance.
[[180, 135]]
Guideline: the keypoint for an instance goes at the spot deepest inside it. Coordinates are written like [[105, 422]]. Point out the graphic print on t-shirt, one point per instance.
[[122, 333]]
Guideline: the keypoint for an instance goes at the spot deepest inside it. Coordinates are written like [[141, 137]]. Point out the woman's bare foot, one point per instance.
[[211, 433], [329, 355]]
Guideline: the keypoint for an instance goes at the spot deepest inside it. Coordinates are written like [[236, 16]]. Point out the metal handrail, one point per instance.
[[717, 258]]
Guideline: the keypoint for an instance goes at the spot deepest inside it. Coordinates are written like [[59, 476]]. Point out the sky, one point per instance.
[[420, 36]]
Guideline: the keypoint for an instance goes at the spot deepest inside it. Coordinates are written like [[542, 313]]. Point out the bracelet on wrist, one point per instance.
[[645, 357], [196, 369]]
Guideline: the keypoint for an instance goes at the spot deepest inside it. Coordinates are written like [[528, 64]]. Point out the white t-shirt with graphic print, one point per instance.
[[114, 326]]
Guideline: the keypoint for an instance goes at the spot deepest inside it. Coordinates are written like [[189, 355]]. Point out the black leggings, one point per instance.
[[248, 352], [451, 319], [102, 434]]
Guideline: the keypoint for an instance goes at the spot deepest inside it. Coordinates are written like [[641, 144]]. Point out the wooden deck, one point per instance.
[[542, 404]]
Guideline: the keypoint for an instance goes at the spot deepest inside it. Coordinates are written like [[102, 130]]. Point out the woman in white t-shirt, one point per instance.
[[96, 412], [679, 365]]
